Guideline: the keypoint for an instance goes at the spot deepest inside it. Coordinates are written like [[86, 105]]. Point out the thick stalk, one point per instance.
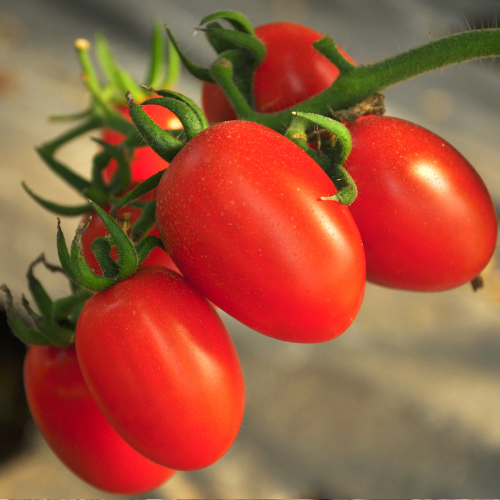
[[356, 83]]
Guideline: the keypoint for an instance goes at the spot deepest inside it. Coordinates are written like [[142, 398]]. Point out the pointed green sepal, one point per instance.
[[101, 248], [337, 148], [239, 40], [62, 251], [122, 176], [145, 222], [62, 308], [56, 208], [173, 68], [156, 138], [76, 267], [17, 326], [156, 69], [223, 71], [183, 98], [75, 180], [40, 296], [146, 245], [140, 190], [237, 20], [57, 335], [118, 78], [192, 118], [328, 48], [197, 71]]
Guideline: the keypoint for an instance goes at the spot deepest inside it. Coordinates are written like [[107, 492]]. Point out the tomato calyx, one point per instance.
[[130, 255], [330, 153], [56, 321], [162, 141]]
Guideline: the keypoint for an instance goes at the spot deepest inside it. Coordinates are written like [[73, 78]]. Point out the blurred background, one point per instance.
[[407, 401]]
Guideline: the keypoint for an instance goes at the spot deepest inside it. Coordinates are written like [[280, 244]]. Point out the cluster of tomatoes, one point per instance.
[[153, 383]]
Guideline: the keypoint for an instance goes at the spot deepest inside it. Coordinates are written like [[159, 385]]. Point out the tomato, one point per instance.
[[291, 72], [426, 218], [145, 161], [239, 211], [96, 228], [160, 363], [76, 429]]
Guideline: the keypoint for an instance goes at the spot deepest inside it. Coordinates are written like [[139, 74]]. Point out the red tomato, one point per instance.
[[239, 211], [161, 365], [76, 429], [291, 72], [425, 216], [145, 161], [96, 228]]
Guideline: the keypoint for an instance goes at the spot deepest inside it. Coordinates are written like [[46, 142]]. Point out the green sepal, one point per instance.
[[77, 269], [62, 308], [17, 326], [223, 72], [117, 77], [122, 176], [219, 44], [38, 292], [145, 222], [101, 248], [193, 121], [238, 40], [140, 190], [57, 335], [337, 150], [173, 68], [62, 251], [199, 72], [146, 245], [75, 180], [159, 140], [56, 208], [183, 98], [239, 21], [157, 55], [328, 48]]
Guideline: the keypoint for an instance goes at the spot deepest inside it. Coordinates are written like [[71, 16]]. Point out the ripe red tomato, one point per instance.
[[96, 228], [291, 72], [77, 431], [145, 161], [426, 218], [239, 211], [161, 365]]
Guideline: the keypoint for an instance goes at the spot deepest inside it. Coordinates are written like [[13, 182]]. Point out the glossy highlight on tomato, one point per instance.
[[291, 72], [162, 367], [77, 431], [426, 218], [239, 210]]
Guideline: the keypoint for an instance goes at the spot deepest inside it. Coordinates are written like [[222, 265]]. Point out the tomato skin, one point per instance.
[[251, 233], [160, 363], [145, 161], [96, 228], [426, 218], [76, 429], [291, 72]]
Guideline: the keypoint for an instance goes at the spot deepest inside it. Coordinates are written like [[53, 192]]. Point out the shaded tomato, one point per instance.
[[426, 218], [239, 211], [291, 72], [96, 228], [145, 161], [161, 365], [77, 431]]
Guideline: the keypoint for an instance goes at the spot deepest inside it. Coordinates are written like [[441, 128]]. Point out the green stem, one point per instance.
[[356, 83]]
